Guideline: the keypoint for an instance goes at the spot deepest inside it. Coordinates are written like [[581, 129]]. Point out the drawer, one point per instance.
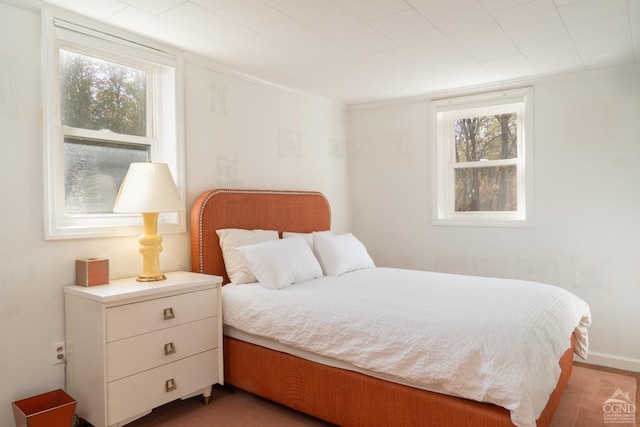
[[139, 318], [143, 352], [134, 395]]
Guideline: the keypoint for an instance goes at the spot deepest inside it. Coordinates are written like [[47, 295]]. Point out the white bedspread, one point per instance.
[[486, 339]]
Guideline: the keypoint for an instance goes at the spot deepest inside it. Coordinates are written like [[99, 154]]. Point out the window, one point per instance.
[[110, 100], [483, 159]]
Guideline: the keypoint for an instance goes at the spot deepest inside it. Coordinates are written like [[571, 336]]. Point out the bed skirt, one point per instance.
[[348, 398]]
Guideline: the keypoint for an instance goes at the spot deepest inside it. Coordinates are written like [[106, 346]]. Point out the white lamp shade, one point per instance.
[[146, 188]]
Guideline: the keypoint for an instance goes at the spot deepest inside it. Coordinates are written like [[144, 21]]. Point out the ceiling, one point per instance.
[[356, 51]]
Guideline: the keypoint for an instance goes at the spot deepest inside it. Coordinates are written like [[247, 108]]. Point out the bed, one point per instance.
[[341, 395]]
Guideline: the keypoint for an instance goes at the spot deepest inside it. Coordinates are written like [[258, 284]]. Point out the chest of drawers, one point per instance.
[[133, 346]]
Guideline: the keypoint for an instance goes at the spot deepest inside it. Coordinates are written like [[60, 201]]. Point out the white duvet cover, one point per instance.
[[486, 339]]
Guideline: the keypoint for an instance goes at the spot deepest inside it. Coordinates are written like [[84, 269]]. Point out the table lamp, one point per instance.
[[148, 188]]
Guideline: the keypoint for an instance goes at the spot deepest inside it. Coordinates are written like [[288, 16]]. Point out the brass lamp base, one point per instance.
[[142, 278], [150, 248]]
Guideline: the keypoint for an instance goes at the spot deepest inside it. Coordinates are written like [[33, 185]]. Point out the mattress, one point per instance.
[[486, 339]]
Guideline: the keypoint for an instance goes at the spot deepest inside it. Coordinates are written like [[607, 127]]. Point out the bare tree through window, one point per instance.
[[481, 184]]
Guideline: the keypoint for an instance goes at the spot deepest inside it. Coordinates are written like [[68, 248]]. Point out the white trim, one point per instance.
[[79, 35], [72, 22], [442, 111], [157, 60], [479, 100], [612, 361]]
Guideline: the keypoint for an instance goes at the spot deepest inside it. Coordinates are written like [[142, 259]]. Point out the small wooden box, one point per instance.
[[92, 271]]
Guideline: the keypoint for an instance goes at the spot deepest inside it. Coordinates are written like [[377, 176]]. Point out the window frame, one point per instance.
[[444, 114], [64, 30]]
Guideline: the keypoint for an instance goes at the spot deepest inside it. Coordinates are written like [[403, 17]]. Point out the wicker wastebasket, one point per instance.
[[51, 409]]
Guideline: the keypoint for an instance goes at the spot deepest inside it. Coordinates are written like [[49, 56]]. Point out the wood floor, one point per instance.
[[635, 375]]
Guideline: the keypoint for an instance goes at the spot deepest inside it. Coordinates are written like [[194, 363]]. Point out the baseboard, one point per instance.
[[611, 361]]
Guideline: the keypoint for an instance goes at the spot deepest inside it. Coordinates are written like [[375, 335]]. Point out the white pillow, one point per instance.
[[230, 240], [308, 237], [280, 263], [341, 254]]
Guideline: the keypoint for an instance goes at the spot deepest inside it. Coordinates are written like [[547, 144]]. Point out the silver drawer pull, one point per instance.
[[168, 314], [169, 348], [170, 385]]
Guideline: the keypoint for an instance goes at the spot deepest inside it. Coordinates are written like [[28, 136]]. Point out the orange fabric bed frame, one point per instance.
[[339, 396]]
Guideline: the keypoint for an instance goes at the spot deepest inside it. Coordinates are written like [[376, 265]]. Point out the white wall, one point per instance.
[[241, 134], [586, 233], [264, 137]]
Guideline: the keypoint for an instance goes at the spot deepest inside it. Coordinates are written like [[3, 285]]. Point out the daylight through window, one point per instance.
[[482, 169], [102, 96], [110, 102]]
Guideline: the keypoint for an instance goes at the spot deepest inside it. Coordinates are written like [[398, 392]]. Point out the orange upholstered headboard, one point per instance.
[[297, 211]]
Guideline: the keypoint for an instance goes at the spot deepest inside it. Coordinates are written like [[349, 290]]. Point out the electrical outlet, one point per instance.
[[59, 352]]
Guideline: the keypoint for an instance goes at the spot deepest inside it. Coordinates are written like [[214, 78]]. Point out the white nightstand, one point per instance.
[[133, 346]]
